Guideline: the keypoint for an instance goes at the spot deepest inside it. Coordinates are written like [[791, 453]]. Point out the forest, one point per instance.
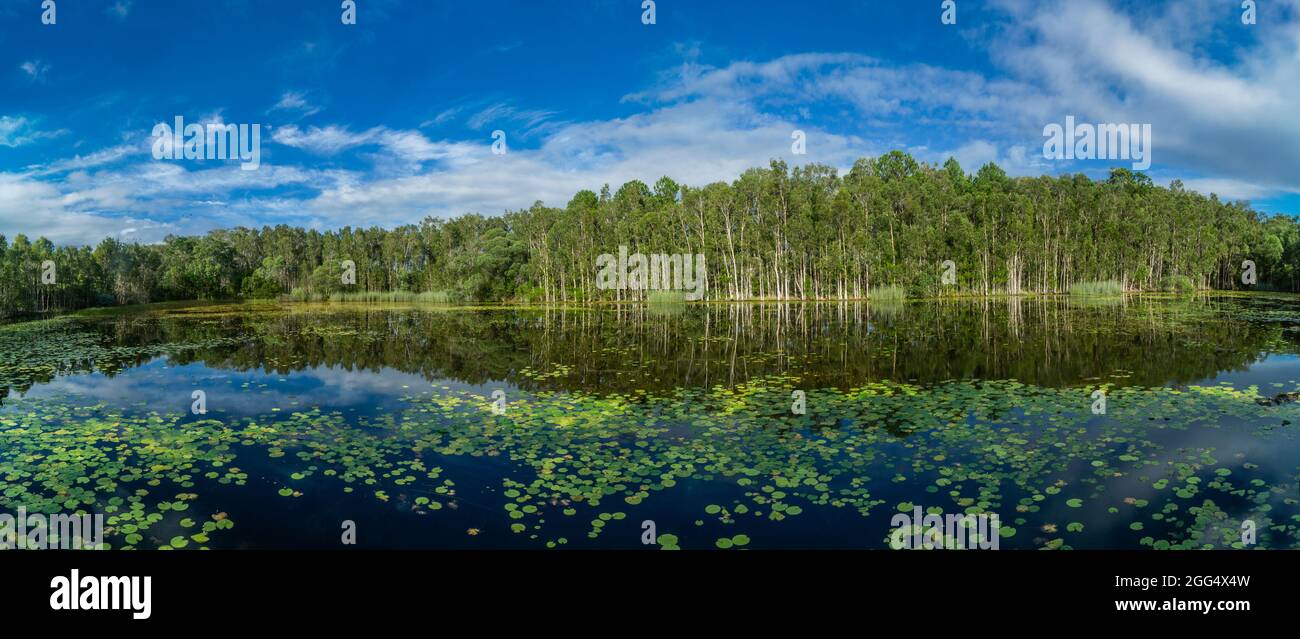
[[775, 233]]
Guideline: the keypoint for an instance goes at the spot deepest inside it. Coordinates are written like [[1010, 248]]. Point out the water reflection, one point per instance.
[[1050, 342], [321, 412]]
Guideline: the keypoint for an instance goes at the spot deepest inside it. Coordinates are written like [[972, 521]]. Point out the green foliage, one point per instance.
[[429, 297], [665, 297], [1106, 287], [1177, 284], [299, 294], [166, 480], [665, 303], [264, 283], [888, 294], [776, 232], [327, 278]]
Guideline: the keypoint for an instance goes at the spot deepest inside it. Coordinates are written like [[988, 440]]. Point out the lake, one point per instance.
[[1139, 422]]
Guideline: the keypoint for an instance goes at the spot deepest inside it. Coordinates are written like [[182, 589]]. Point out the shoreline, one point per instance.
[[109, 311]]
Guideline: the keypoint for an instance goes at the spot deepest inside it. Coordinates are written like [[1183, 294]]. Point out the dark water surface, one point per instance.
[[384, 416]]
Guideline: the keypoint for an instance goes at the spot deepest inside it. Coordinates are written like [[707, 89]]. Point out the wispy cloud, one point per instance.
[[1226, 124], [35, 69], [92, 160], [296, 101], [328, 140], [500, 114], [1239, 120], [444, 116], [39, 209], [406, 145], [19, 131], [120, 9]]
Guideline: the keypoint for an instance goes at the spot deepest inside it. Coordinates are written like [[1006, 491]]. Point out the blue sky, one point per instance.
[[390, 120]]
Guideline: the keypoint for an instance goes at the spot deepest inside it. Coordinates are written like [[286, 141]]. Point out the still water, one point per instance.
[[1144, 422]]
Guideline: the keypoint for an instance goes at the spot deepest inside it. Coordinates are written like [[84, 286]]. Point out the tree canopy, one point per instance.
[[773, 233]]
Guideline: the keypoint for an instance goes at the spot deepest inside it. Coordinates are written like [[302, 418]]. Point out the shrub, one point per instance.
[[258, 286], [298, 295], [1177, 284]]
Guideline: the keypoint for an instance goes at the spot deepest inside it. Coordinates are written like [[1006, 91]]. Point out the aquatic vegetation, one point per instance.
[[137, 471], [1018, 450], [720, 461], [33, 352]]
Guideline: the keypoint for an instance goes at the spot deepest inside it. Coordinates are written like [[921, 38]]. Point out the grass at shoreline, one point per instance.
[[887, 294], [426, 297], [432, 301], [1107, 287]]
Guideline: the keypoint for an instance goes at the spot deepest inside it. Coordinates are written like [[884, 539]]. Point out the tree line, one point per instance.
[[777, 233]]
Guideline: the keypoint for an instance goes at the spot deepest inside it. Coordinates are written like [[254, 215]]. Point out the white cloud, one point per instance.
[[406, 145], [1015, 159], [695, 142], [328, 140], [1232, 128], [38, 209], [35, 69], [120, 9], [98, 158], [1228, 189], [85, 205], [19, 131], [442, 117], [500, 114], [1235, 120], [296, 101], [410, 145]]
